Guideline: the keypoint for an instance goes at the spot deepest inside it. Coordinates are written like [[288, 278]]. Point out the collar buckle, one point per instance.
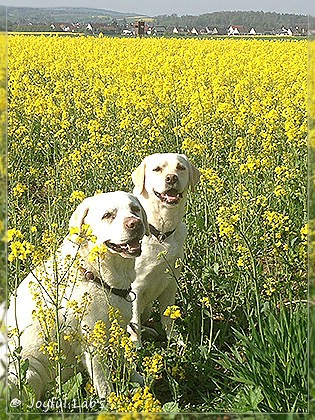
[[160, 236], [131, 296]]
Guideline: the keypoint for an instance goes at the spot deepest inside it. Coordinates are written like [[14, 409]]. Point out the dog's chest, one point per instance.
[[159, 258]]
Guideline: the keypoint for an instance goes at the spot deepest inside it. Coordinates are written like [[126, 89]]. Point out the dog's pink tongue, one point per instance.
[[171, 198]]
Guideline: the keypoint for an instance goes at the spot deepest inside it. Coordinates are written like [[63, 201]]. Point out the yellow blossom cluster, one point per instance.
[[277, 228], [20, 250], [99, 336], [81, 308], [269, 286], [304, 242], [141, 401], [77, 195], [210, 178], [193, 147], [227, 220], [119, 340], [205, 301], [276, 220], [97, 252], [173, 312], [178, 372], [52, 351], [82, 234], [153, 366], [110, 341]]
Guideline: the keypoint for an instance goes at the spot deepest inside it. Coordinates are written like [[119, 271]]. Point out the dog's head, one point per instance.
[[165, 177], [116, 220]]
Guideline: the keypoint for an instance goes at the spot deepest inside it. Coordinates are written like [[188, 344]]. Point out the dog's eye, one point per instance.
[[180, 167], [157, 169], [108, 215], [135, 209]]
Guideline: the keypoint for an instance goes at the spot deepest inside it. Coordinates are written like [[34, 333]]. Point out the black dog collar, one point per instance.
[[124, 293], [160, 235]]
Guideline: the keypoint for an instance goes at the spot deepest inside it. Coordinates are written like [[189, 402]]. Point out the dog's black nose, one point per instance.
[[133, 223], [171, 179]]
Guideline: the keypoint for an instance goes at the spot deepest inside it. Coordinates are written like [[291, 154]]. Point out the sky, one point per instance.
[[180, 7]]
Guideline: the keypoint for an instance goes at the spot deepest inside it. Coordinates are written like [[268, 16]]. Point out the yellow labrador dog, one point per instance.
[[161, 185], [78, 277]]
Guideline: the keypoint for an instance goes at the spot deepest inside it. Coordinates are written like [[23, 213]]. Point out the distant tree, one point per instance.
[[261, 21]]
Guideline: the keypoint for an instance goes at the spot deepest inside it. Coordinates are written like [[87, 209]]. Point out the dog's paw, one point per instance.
[[135, 334], [150, 332]]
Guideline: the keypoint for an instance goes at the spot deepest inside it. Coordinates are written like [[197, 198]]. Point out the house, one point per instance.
[[299, 31], [218, 31], [66, 27], [179, 31], [69, 27], [127, 32], [252, 32], [286, 32], [194, 31], [205, 31], [236, 30], [105, 28], [159, 30]]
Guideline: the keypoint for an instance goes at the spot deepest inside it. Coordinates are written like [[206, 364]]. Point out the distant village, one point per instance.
[[142, 28]]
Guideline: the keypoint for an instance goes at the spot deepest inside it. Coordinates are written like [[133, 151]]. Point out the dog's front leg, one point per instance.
[[134, 327], [99, 375], [167, 298]]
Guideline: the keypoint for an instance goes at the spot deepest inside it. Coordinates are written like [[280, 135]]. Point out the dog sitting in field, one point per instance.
[[77, 277], [161, 184]]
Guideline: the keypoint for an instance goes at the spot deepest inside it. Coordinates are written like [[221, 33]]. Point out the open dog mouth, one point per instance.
[[128, 249], [171, 196]]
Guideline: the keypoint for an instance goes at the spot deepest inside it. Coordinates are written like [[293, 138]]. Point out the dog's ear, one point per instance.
[[138, 177], [77, 218], [145, 222], [194, 173]]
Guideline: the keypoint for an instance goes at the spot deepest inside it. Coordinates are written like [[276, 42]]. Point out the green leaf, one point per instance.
[[170, 407], [255, 397], [24, 366], [216, 268], [72, 386], [248, 399]]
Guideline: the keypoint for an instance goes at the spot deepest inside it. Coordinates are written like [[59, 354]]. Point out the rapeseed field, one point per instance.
[[82, 114]]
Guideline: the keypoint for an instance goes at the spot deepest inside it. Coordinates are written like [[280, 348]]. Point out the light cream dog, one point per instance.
[[114, 224], [161, 185]]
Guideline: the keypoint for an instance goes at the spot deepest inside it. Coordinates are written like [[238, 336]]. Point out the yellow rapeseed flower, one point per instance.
[[142, 401], [172, 312], [154, 365], [20, 250], [77, 195], [13, 233]]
